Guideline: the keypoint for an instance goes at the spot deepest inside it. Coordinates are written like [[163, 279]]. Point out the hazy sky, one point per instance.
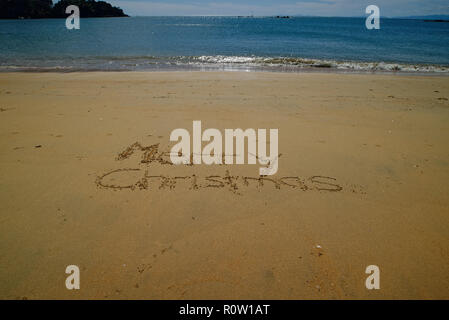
[[388, 8]]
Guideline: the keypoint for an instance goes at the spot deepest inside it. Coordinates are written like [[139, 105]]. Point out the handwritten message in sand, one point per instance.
[[142, 178]]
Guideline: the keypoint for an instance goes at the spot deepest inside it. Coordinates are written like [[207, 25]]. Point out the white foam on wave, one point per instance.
[[226, 59], [302, 63]]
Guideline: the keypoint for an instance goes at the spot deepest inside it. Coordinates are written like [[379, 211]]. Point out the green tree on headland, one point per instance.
[[88, 9], [38, 9], [16, 9]]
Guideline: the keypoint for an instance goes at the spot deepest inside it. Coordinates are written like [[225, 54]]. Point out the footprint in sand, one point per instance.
[[146, 266], [62, 216], [317, 251]]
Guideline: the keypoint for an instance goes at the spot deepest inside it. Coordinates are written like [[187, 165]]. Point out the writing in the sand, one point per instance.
[[140, 177], [120, 179]]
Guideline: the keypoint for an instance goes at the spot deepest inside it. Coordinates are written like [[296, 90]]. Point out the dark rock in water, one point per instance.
[[436, 20], [39, 9], [322, 65]]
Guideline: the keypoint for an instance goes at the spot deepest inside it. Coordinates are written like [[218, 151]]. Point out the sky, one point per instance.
[[388, 8]]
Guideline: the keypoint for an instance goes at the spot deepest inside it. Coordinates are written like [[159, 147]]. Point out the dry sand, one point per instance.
[[383, 138]]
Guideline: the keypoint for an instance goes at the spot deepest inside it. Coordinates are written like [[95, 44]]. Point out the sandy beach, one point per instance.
[[85, 180]]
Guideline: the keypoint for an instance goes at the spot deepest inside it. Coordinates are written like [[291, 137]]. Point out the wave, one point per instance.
[[304, 63], [221, 62]]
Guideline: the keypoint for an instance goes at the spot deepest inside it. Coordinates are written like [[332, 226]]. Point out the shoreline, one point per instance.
[[230, 63], [230, 70]]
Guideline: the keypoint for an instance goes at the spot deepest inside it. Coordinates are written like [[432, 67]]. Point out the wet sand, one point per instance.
[[85, 180]]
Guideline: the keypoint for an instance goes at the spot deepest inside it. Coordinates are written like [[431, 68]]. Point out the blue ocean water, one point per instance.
[[154, 43]]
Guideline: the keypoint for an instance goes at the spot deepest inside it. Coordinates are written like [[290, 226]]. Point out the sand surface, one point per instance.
[[73, 189]]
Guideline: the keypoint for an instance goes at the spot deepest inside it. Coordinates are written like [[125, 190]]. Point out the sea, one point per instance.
[[292, 44]]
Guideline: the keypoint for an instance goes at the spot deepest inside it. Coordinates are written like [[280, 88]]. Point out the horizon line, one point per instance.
[[287, 15]]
